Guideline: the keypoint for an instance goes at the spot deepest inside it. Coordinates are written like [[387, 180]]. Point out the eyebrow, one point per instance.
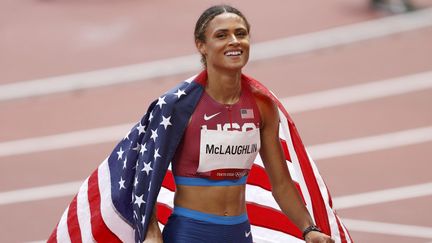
[[226, 30]]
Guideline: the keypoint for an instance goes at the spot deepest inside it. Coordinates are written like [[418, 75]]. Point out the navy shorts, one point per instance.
[[190, 226]]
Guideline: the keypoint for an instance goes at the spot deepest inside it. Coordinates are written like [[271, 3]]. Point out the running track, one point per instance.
[[358, 84]]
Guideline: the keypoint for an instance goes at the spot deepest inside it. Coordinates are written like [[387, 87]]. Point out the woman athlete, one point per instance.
[[230, 121]]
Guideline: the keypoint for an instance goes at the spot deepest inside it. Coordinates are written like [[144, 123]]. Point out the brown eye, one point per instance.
[[220, 35], [241, 34]]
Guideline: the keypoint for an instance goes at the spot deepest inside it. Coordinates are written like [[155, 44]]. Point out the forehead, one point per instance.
[[226, 21]]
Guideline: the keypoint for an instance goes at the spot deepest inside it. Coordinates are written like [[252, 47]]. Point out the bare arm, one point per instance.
[[283, 188], [154, 234]]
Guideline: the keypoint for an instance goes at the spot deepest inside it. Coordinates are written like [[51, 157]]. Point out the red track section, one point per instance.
[[46, 38]]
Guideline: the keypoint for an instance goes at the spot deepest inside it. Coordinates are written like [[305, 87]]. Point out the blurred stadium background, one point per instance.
[[74, 75]]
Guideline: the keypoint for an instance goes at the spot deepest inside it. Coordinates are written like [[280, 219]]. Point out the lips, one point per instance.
[[233, 53]]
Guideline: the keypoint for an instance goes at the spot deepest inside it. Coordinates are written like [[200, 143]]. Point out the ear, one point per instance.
[[201, 47]]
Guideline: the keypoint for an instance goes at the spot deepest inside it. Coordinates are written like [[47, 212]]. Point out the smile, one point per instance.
[[233, 53]]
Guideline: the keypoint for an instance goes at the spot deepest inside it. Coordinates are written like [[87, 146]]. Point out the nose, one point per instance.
[[234, 40]]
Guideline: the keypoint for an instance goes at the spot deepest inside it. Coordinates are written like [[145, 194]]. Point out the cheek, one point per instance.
[[215, 49], [246, 44]]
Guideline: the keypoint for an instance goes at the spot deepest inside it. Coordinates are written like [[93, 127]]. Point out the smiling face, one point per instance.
[[226, 44]]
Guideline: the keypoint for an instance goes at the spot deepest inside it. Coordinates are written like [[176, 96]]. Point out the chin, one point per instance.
[[229, 66], [235, 66]]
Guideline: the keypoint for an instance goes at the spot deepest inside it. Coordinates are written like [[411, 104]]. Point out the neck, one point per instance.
[[224, 87]]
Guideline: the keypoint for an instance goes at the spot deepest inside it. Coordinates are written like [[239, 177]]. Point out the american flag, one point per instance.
[[247, 113], [115, 203]]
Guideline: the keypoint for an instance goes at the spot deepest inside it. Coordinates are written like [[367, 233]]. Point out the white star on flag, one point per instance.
[[137, 148], [136, 181], [141, 129], [147, 168], [166, 122], [127, 136], [143, 148], [156, 154], [154, 134], [120, 153], [139, 200], [124, 163], [122, 182], [179, 93], [161, 102], [135, 215]]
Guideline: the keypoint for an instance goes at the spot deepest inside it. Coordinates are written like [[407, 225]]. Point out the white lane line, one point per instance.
[[301, 103], [358, 93], [64, 140], [371, 143], [383, 196], [388, 228], [40, 193], [99, 78], [190, 63]]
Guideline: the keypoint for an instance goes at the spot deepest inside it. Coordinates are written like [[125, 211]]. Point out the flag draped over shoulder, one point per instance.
[[115, 203]]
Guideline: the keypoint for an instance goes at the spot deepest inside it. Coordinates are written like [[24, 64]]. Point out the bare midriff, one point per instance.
[[218, 200]]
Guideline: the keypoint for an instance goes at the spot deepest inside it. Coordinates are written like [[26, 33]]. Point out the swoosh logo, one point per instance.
[[206, 118], [247, 234]]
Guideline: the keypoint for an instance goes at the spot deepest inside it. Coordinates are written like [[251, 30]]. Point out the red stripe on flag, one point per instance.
[[271, 218], [285, 149], [330, 201], [163, 212], [341, 231], [100, 231], [72, 222], [258, 177], [53, 236], [349, 235], [169, 182]]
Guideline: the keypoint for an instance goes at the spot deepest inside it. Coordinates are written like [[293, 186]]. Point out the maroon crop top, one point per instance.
[[239, 118]]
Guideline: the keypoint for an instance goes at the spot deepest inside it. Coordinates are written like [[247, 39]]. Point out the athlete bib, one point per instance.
[[228, 149]]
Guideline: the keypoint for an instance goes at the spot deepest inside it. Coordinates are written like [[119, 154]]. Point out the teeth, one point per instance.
[[233, 53]]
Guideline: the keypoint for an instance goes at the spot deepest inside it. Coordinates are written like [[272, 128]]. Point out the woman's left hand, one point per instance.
[[318, 237]]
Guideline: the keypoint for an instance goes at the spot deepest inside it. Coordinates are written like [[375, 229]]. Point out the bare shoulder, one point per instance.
[[263, 100], [267, 107]]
